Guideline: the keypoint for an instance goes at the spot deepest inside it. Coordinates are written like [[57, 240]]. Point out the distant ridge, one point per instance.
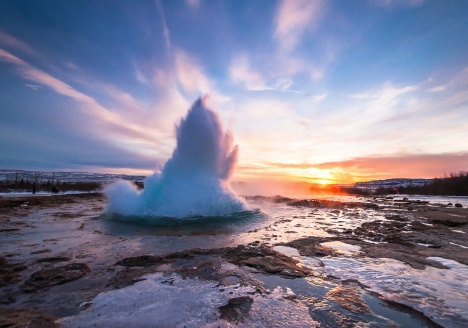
[[8, 175], [393, 183]]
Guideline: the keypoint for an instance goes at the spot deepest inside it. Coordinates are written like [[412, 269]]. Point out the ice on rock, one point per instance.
[[434, 292], [341, 247], [288, 251], [162, 301]]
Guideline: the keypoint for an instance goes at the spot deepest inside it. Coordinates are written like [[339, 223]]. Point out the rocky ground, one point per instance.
[[57, 256], [429, 231]]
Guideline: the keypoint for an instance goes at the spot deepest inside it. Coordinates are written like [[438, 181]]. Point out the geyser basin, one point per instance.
[[194, 181]]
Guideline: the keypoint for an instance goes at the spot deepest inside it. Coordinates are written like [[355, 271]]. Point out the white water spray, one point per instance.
[[194, 182]]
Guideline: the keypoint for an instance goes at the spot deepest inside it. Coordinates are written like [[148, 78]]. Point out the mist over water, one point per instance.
[[194, 182]]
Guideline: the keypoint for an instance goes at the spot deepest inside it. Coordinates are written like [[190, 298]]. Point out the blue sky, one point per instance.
[[335, 91]]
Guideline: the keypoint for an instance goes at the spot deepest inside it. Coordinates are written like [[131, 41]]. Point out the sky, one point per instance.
[[319, 91]]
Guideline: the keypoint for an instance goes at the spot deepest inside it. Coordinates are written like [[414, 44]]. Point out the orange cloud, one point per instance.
[[374, 168], [405, 166]]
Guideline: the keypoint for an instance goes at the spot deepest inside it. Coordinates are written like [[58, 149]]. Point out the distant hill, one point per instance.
[[453, 184], [392, 183], [15, 176]]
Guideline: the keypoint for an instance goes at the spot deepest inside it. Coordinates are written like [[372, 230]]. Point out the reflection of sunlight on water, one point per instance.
[[267, 226], [274, 223]]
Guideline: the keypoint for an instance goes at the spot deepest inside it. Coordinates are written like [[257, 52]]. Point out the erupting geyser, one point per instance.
[[194, 182]]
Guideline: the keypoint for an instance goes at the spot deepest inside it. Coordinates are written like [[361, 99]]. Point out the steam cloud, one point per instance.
[[194, 182]]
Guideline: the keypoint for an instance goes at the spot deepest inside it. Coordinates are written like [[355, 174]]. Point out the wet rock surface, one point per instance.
[[344, 306], [399, 246], [236, 309], [9, 273], [47, 278], [265, 259], [207, 265], [413, 241], [310, 246], [29, 318], [54, 259], [428, 232]]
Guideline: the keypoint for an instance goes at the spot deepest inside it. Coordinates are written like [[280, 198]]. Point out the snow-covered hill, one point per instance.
[[392, 183]]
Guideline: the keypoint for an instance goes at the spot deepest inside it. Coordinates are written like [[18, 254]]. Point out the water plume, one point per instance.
[[194, 181]]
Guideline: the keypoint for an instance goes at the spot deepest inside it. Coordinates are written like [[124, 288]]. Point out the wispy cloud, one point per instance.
[[438, 89], [71, 65], [194, 3], [408, 119], [90, 106], [379, 104], [293, 18], [33, 86], [456, 88], [461, 79], [241, 72], [166, 32], [398, 3], [385, 94], [189, 74], [9, 41], [319, 98], [458, 97]]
